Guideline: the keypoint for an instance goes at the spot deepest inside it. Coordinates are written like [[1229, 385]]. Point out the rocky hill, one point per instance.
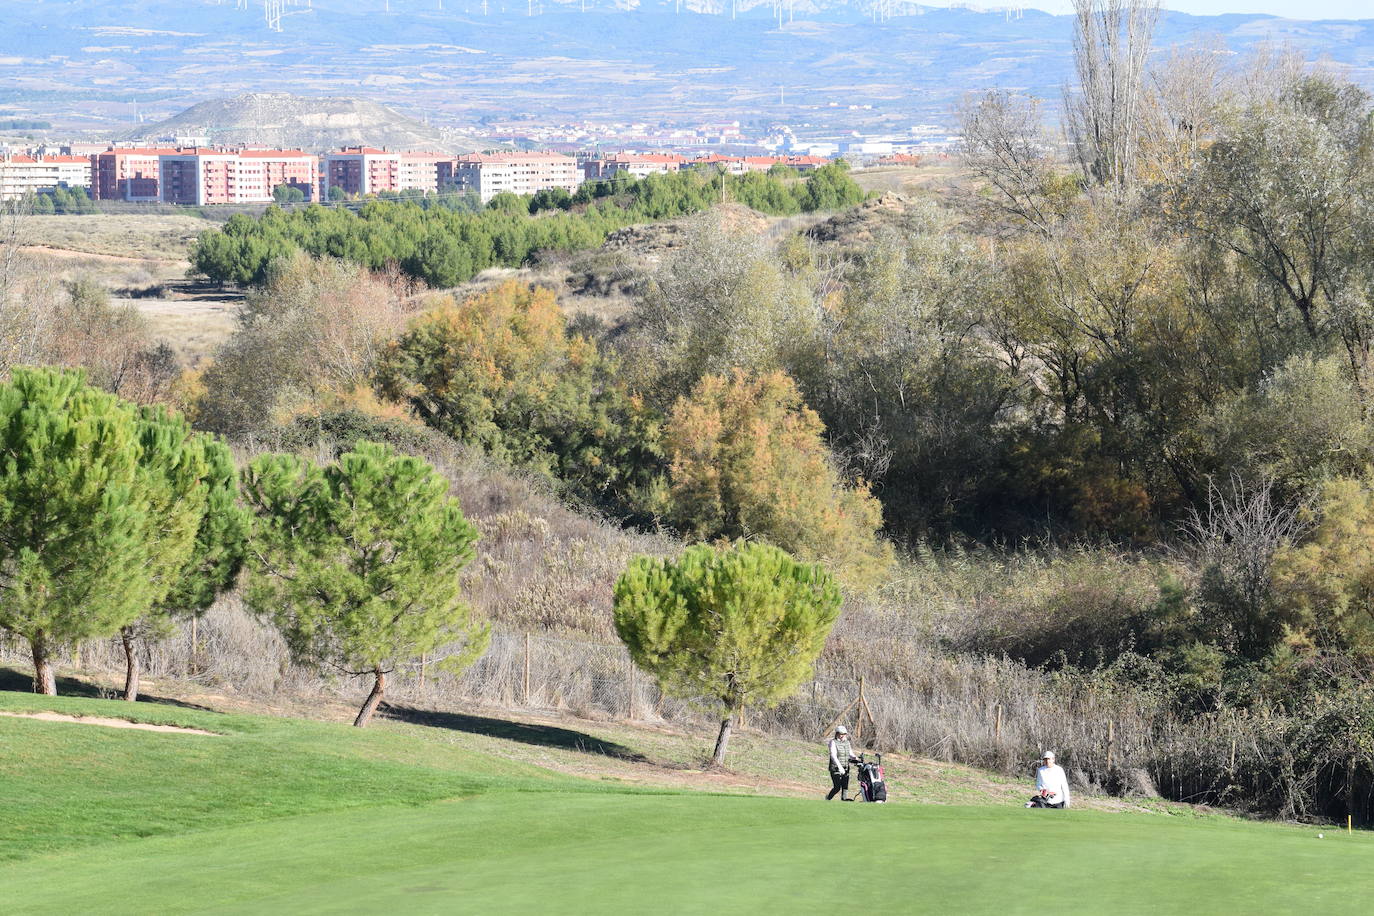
[[304, 122]]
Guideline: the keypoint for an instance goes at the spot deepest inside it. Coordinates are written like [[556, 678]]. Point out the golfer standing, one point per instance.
[[841, 755], [1051, 785]]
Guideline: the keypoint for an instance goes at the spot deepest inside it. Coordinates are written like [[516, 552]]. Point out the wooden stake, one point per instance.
[[631, 713], [997, 724], [195, 647], [1111, 744], [863, 712], [527, 669]]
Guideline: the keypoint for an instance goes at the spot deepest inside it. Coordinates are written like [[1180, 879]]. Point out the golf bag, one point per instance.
[[1040, 801], [872, 787]]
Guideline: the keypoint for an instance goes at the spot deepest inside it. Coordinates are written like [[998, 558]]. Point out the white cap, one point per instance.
[[1047, 755], [841, 730]]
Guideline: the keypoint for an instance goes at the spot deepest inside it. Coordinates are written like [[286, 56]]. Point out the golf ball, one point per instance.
[[1319, 836]]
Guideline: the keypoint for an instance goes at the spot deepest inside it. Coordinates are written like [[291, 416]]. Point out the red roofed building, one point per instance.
[[489, 174], [126, 174], [20, 175], [898, 159], [212, 176], [636, 164], [367, 170], [734, 165], [804, 163]]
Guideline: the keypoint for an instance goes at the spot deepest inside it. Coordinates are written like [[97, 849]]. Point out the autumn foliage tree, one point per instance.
[[747, 460], [501, 372], [358, 563], [740, 625], [1326, 583]]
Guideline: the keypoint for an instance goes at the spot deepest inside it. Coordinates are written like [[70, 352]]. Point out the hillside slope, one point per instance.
[[320, 123]]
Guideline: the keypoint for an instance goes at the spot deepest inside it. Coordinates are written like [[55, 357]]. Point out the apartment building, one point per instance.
[[212, 176], [20, 175], [637, 164], [128, 173], [800, 163], [367, 170], [489, 174]]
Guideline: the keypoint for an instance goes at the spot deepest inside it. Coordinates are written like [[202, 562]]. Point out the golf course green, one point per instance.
[[292, 816]]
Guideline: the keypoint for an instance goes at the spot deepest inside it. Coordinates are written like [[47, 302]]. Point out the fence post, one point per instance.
[[526, 681], [859, 716], [1111, 744], [631, 702], [195, 648], [997, 724]]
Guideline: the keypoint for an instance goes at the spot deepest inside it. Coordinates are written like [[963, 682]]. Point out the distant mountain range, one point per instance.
[[829, 65]]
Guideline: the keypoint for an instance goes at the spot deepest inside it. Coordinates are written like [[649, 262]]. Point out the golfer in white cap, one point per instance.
[[841, 756], [1051, 785]]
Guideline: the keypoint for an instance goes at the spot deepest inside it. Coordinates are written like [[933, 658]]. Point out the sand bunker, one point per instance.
[[107, 722]]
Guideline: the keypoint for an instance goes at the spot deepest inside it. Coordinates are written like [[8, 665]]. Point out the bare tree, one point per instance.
[[1004, 143], [1236, 538], [1105, 116], [24, 300], [1191, 89]]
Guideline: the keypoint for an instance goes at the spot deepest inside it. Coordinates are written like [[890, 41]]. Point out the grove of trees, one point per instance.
[[446, 245]]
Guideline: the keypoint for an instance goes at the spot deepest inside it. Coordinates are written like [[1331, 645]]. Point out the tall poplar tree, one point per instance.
[[741, 625], [358, 563]]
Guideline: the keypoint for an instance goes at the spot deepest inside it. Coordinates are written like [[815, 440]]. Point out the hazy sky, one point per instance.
[[1297, 9]]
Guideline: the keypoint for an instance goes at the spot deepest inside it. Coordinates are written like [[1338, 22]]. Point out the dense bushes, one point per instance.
[[501, 372], [446, 245]]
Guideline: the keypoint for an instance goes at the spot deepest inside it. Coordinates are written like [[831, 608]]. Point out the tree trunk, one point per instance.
[[723, 740], [373, 699], [44, 680], [131, 671]]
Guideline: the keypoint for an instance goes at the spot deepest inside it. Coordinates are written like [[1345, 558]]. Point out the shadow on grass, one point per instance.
[[542, 735], [22, 682]]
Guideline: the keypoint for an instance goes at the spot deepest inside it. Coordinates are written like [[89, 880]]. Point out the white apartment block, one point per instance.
[[490, 174], [20, 175]]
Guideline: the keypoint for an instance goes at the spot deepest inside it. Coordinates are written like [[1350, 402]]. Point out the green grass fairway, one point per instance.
[[286, 816]]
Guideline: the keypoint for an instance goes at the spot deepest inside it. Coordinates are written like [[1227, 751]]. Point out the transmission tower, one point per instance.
[[272, 10]]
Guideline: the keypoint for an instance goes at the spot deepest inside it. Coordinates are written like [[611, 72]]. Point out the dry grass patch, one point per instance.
[[151, 236]]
